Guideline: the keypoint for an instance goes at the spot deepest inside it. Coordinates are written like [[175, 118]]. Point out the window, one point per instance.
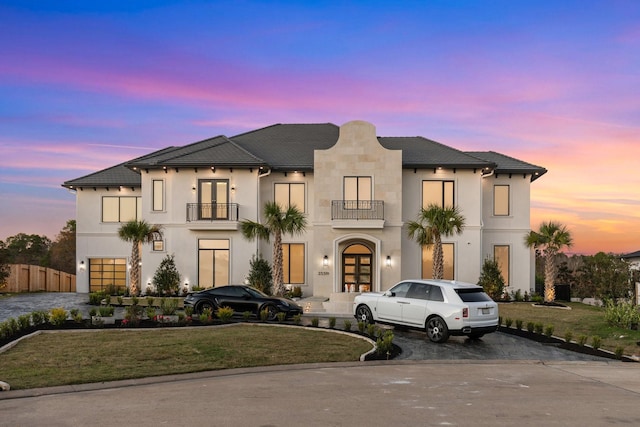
[[290, 194], [121, 209], [213, 262], [501, 256], [158, 195], [293, 263], [439, 193], [501, 200], [357, 192], [107, 272], [158, 245], [214, 199], [427, 261]]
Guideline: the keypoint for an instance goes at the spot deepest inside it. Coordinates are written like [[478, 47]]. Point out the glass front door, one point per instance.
[[357, 269]]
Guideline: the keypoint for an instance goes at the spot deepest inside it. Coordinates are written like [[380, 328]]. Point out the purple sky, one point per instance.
[[86, 85]]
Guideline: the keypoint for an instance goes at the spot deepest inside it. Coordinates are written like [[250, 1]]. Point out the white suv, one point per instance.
[[441, 307]]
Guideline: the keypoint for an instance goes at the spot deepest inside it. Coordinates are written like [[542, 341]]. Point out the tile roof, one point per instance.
[[510, 165], [290, 147]]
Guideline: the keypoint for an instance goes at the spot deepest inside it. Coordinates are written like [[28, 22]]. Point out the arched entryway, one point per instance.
[[357, 267]]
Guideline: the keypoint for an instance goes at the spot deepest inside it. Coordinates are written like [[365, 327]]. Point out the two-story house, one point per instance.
[[357, 190]]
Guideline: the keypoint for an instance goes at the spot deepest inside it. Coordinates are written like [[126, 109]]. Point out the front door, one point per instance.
[[357, 269], [214, 199]]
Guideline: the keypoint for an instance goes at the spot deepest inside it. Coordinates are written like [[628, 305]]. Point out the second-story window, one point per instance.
[[158, 195], [213, 197], [358, 192], [121, 209], [440, 193], [501, 200], [290, 194]]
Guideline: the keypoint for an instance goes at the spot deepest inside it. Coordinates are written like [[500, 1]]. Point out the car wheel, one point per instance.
[[363, 314], [272, 311], [437, 330], [203, 305]]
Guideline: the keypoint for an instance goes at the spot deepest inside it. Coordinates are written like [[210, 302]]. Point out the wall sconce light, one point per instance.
[[233, 188], [193, 189], [388, 261], [82, 266], [325, 261]]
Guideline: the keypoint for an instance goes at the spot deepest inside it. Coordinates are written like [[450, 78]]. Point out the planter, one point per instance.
[[99, 320]]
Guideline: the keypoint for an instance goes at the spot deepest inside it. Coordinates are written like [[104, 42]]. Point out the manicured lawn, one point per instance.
[[52, 359], [582, 319]]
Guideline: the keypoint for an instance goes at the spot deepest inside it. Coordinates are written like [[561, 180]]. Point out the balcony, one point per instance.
[[357, 213], [212, 216]]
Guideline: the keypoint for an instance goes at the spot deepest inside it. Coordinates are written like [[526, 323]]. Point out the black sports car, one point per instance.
[[241, 299]]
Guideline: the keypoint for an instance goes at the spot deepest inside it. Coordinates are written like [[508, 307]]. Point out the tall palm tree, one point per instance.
[[138, 232], [278, 221], [550, 239], [433, 222]]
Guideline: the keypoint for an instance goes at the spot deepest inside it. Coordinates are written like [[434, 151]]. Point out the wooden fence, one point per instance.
[[33, 278]]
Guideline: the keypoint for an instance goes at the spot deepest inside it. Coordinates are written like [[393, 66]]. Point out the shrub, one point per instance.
[[225, 314], [595, 342], [296, 292], [151, 312], [537, 298], [332, 322], [76, 316], [568, 336], [247, 315], [538, 328], [5, 330], [168, 306], [619, 352], [133, 312], [384, 344], [519, 324], [281, 316], [167, 277], [95, 298], [150, 300], [206, 316], [120, 300], [297, 319], [518, 296], [314, 322], [623, 314], [530, 327], [347, 325], [371, 329], [39, 317], [58, 316], [260, 276], [582, 340], [24, 321], [361, 326], [264, 315], [508, 322], [188, 311], [106, 310], [93, 312], [491, 279], [548, 331]]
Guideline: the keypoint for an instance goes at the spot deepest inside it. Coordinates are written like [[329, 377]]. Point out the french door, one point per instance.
[[213, 200]]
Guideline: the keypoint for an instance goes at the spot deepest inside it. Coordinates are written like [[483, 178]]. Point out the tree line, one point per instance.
[[33, 249]]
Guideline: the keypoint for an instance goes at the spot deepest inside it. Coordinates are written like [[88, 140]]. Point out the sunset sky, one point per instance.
[[85, 85]]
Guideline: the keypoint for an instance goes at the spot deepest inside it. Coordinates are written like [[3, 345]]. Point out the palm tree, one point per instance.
[[138, 232], [550, 239], [433, 222], [278, 221]]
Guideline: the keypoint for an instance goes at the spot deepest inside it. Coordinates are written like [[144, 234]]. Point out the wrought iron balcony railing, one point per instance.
[[212, 212], [357, 209]]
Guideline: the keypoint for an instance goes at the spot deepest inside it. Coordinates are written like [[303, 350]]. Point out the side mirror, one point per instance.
[[389, 294]]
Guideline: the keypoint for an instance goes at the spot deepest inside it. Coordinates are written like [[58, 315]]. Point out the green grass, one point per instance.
[[107, 355], [582, 319]]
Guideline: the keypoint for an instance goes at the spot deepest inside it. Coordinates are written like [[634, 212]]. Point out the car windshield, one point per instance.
[[255, 293], [473, 295]]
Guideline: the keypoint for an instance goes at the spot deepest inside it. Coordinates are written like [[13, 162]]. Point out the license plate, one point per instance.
[[486, 311]]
